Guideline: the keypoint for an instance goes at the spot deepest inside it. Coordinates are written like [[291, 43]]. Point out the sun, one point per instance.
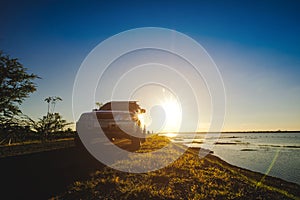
[[173, 113], [163, 109]]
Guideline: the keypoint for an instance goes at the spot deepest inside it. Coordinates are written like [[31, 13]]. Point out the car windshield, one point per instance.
[[122, 117]]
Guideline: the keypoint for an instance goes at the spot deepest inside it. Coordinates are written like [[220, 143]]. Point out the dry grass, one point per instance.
[[189, 177]]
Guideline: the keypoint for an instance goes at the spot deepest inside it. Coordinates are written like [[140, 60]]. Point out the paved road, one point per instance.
[[46, 174]]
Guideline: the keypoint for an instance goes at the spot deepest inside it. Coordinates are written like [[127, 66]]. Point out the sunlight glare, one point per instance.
[[141, 119], [173, 114]]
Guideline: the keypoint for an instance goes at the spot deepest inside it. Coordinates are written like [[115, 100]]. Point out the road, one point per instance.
[[45, 174]]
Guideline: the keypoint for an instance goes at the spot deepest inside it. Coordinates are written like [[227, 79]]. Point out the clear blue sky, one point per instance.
[[255, 44]]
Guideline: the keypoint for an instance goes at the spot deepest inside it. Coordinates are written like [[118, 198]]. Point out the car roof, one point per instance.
[[112, 111]]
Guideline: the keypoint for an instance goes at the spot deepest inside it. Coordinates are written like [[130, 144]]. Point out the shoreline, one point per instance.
[[255, 152], [257, 177], [251, 172]]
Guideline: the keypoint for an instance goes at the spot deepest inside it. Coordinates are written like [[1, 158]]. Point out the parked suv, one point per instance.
[[123, 123]]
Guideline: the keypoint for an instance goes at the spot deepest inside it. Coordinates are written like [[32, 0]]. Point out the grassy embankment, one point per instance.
[[189, 177]]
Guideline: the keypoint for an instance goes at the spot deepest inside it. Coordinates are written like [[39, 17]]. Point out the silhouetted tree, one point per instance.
[[54, 100], [48, 100], [15, 86], [51, 122], [52, 103]]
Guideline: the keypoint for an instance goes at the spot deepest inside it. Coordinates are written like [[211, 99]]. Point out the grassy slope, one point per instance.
[[189, 177]]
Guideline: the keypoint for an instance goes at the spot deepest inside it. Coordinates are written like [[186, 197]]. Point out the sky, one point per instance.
[[255, 45]]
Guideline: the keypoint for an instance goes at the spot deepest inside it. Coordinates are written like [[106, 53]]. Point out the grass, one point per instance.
[[189, 177]]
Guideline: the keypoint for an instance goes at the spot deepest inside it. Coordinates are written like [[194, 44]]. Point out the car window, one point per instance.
[[122, 117]]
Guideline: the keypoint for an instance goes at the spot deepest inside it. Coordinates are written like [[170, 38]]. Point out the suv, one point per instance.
[[123, 123]]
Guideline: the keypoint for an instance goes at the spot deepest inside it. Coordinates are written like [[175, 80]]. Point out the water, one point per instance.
[[274, 154]]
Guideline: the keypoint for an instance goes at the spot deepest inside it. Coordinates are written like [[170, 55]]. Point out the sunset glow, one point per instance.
[[173, 115]]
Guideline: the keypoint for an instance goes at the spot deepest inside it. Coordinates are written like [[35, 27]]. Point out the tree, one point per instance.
[[52, 122], [15, 86], [48, 100], [52, 103], [54, 100]]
